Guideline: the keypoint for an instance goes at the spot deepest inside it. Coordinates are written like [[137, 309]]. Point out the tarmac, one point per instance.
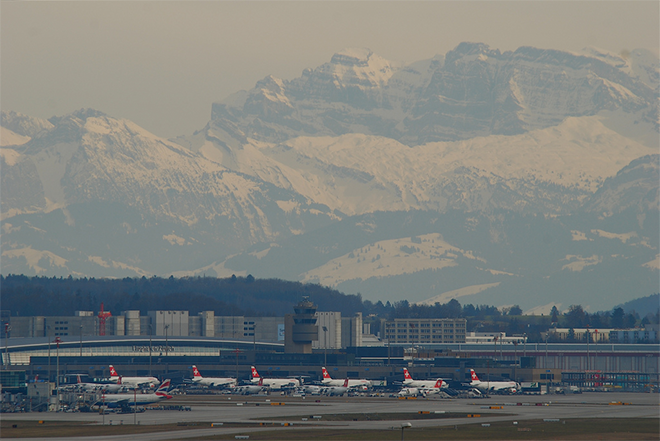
[[300, 412]]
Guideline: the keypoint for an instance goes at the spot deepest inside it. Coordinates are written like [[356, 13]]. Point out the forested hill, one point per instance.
[[27, 296]]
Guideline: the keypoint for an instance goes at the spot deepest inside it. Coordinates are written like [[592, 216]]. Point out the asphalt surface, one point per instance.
[[222, 409]]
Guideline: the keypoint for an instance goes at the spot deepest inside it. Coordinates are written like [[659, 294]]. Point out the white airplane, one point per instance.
[[328, 381], [337, 390], [313, 389], [124, 400], [211, 381], [501, 386], [132, 381], [423, 390], [408, 392], [409, 382], [94, 387], [249, 389], [274, 383]]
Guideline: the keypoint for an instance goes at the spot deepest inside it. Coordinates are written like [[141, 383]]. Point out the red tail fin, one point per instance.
[[196, 372], [113, 372], [474, 375], [163, 386], [255, 374], [406, 374], [346, 382], [438, 384], [326, 375]]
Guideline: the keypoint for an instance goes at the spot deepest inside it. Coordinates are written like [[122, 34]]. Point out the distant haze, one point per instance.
[[162, 64]]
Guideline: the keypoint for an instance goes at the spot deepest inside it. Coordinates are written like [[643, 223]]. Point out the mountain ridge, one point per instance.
[[414, 163]]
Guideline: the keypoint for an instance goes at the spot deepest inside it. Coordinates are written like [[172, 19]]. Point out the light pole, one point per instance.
[[254, 337], [7, 329], [546, 351], [150, 332], [236, 352], [596, 348], [515, 358], [57, 378], [167, 346], [325, 346], [81, 342], [48, 335], [588, 338], [501, 344], [135, 406], [403, 427]]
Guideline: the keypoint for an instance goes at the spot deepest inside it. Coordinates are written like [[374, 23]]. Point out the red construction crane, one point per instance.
[[103, 315]]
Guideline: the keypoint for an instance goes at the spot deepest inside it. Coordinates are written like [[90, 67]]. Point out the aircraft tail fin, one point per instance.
[[326, 375], [163, 387], [406, 374]]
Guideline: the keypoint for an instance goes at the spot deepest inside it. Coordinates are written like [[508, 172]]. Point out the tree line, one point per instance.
[[51, 296]]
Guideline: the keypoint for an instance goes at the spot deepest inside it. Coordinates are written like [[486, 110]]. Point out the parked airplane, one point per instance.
[[125, 400], [328, 381], [500, 386], [337, 390], [274, 383], [249, 389], [313, 389], [408, 392], [423, 390], [132, 381], [211, 381], [94, 387], [409, 382]]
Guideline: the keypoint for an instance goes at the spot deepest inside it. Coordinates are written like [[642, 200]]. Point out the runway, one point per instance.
[[221, 409]]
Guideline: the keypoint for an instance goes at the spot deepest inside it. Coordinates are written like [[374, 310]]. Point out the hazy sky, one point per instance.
[[162, 64]]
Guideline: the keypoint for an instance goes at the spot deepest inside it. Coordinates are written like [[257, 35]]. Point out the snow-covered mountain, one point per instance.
[[494, 177], [472, 91]]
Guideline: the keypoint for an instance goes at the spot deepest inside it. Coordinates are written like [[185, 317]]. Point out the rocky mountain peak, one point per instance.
[[22, 124], [352, 57], [471, 51], [79, 116]]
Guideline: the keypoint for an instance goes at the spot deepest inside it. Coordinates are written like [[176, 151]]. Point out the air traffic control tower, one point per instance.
[[300, 329]]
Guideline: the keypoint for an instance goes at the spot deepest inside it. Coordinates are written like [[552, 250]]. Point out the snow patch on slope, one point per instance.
[[10, 156], [7, 137], [35, 258], [653, 264], [622, 237], [456, 293], [578, 263], [388, 258], [351, 169]]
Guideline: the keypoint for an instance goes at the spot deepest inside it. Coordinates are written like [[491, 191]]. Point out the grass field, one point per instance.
[[390, 416], [69, 429], [569, 429], [613, 429]]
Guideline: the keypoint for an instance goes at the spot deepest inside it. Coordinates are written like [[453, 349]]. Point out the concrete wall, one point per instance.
[[330, 339], [172, 323]]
